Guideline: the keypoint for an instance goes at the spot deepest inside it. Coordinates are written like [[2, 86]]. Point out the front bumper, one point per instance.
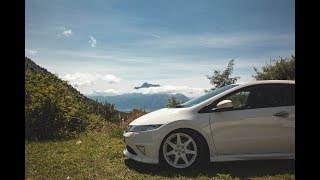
[[140, 158], [148, 140]]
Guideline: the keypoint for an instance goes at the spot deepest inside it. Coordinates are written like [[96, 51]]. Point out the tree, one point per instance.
[[109, 112], [173, 102], [219, 79], [282, 69]]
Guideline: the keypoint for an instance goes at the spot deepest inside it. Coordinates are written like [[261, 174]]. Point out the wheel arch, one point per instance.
[[199, 134]]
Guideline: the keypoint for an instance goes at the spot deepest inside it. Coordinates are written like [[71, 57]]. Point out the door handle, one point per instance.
[[281, 114]]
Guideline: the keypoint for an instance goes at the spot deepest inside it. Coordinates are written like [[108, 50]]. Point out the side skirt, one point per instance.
[[240, 157]]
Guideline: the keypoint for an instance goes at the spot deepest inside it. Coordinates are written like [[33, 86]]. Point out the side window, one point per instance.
[[269, 96], [239, 99], [290, 95], [273, 95], [257, 96]]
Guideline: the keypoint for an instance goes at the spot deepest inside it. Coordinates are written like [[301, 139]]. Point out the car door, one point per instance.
[[261, 121]]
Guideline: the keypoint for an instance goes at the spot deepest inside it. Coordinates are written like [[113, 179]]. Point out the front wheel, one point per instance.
[[180, 149]]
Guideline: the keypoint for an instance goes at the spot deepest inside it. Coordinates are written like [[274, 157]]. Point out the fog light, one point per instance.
[[142, 149]]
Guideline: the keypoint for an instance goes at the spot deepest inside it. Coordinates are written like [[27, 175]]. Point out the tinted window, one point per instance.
[[291, 95], [274, 95], [239, 99], [206, 96], [258, 96]]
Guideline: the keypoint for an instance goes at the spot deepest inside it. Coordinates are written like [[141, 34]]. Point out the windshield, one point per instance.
[[206, 96]]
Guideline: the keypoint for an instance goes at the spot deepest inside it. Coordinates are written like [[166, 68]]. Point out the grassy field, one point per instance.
[[99, 156]]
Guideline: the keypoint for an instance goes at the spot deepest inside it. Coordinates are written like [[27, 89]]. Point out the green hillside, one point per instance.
[[33, 67], [53, 108]]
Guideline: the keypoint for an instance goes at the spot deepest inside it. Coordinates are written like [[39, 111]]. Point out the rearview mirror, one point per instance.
[[224, 104]]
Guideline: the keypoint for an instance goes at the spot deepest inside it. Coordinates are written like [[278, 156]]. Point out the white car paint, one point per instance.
[[230, 135]]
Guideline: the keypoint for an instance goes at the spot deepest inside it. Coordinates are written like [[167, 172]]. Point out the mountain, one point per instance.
[[147, 85], [149, 102]]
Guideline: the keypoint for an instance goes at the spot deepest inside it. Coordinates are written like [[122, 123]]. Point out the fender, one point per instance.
[[202, 128]]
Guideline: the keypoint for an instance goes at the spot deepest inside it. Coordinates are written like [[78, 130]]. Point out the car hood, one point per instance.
[[162, 116]]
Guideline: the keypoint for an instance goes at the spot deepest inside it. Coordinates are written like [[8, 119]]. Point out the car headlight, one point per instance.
[[139, 128]]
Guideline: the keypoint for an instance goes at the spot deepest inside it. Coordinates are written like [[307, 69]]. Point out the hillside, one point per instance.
[[55, 109], [149, 102], [33, 67], [36, 69]]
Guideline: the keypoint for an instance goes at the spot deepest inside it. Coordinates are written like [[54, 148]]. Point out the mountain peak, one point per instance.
[[147, 85]]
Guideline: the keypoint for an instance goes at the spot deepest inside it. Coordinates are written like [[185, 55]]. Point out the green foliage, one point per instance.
[[219, 79], [225, 176], [281, 69], [116, 133], [55, 109], [173, 102], [128, 117], [51, 110], [96, 123], [29, 65]]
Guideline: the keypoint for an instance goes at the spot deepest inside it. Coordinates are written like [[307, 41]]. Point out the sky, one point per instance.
[[111, 46]]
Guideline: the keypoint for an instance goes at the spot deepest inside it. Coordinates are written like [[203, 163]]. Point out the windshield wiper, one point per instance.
[[179, 106]]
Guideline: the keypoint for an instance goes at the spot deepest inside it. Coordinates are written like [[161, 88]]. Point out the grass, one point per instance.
[[99, 156]]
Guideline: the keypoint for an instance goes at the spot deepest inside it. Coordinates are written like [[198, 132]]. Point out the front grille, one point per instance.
[[131, 150]]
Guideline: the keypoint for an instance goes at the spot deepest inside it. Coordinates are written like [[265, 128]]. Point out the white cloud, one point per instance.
[[107, 92], [63, 31], [31, 51], [188, 91], [110, 78], [80, 79], [156, 36], [220, 40], [92, 41], [88, 79], [67, 32]]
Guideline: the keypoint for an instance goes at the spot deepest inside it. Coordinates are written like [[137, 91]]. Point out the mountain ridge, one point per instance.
[[149, 102], [147, 85]]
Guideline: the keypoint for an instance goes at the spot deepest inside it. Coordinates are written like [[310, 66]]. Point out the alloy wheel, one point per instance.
[[180, 150]]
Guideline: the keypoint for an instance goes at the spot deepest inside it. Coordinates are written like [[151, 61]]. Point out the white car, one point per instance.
[[254, 120]]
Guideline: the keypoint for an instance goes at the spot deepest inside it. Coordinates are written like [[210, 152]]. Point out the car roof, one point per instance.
[[267, 82]]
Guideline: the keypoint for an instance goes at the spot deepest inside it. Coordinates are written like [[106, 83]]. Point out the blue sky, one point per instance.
[[103, 46]]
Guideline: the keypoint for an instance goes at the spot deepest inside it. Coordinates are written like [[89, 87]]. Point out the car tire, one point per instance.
[[182, 149]]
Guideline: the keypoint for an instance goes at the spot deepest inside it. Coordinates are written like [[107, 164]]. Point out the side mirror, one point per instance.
[[224, 104]]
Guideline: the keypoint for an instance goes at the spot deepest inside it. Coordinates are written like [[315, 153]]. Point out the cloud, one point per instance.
[[188, 91], [63, 31], [88, 79], [80, 79], [92, 41], [156, 36], [110, 78], [67, 32], [107, 92], [218, 40], [31, 51]]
